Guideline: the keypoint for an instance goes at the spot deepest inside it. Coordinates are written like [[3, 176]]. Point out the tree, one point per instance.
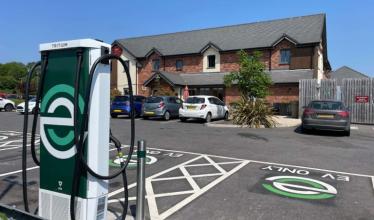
[[13, 76], [251, 79], [253, 82]]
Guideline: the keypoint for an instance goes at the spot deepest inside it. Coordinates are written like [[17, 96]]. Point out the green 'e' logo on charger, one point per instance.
[[51, 102], [300, 187]]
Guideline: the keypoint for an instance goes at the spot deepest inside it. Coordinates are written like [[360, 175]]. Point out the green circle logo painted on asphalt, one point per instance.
[[57, 97], [300, 187], [133, 161]]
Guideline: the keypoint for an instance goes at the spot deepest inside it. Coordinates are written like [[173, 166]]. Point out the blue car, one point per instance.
[[121, 105]]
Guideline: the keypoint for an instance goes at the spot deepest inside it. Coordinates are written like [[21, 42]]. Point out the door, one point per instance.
[[220, 108], [1, 103], [172, 106], [213, 107]]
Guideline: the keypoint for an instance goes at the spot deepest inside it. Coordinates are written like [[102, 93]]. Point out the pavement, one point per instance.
[[282, 122], [200, 172]]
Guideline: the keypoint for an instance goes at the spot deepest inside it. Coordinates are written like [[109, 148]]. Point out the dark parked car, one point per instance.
[[121, 105], [326, 115], [161, 106]]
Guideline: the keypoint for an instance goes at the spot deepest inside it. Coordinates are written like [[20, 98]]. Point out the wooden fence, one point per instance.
[[357, 94], [354, 95]]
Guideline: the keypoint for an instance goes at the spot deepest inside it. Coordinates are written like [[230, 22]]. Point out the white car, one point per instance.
[[21, 106], [6, 105], [203, 107]]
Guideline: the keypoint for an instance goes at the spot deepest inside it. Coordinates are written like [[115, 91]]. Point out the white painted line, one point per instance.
[[10, 148], [36, 167], [152, 205], [372, 181], [189, 199], [199, 154], [18, 171], [215, 164], [6, 143], [190, 180], [183, 177], [311, 168], [354, 128], [156, 175], [209, 164], [270, 163], [133, 198]]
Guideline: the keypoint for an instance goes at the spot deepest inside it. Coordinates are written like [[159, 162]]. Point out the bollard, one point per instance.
[[140, 186]]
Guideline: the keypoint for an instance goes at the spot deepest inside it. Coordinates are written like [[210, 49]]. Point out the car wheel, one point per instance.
[[226, 117], [167, 116], [347, 133], [183, 119], [113, 115], [304, 130], [208, 117], [145, 117], [8, 107]]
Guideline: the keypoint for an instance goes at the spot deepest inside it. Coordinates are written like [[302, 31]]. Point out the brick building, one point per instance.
[[292, 49]]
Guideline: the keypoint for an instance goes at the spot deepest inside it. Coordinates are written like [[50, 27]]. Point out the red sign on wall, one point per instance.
[[362, 99]]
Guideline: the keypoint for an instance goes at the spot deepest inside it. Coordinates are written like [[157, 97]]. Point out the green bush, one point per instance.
[[253, 113], [3, 216]]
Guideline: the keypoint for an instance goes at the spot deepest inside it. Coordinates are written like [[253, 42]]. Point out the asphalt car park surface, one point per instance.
[[200, 172]]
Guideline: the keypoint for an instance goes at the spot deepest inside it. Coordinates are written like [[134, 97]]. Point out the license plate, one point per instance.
[[190, 107], [117, 110], [325, 116], [149, 113]]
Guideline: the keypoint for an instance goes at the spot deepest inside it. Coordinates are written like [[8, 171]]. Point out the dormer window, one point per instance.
[[156, 64], [179, 65], [211, 61], [285, 56]]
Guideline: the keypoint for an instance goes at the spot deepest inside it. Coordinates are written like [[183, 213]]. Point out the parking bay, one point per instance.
[[186, 185], [231, 188]]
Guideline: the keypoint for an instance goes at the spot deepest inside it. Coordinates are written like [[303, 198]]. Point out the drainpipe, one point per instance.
[[269, 59], [136, 77]]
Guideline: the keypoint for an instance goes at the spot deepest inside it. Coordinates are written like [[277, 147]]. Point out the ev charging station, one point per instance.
[[74, 96], [57, 148]]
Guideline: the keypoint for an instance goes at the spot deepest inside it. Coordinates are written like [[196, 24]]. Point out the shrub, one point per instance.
[[253, 113], [114, 92]]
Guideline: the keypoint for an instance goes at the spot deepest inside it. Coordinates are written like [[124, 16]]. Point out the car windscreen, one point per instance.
[[195, 100], [153, 100], [121, 99], [321, 105]]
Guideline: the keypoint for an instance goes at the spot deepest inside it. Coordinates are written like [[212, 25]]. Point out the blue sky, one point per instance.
[[26, 24]]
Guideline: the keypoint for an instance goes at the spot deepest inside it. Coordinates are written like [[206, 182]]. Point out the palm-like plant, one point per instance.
[[253, 113]]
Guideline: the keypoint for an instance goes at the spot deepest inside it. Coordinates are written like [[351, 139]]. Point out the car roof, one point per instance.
[[202, 96], [326, 100]]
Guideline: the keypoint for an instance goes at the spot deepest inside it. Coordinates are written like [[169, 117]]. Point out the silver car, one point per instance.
[[164, 107], [326, 115]]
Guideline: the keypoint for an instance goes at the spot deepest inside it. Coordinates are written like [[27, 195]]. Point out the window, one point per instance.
[[139, 98], [155, 64], [153, 99], [172, 100], [285, 56], [179, 65], [211, 61], [195, 100]]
